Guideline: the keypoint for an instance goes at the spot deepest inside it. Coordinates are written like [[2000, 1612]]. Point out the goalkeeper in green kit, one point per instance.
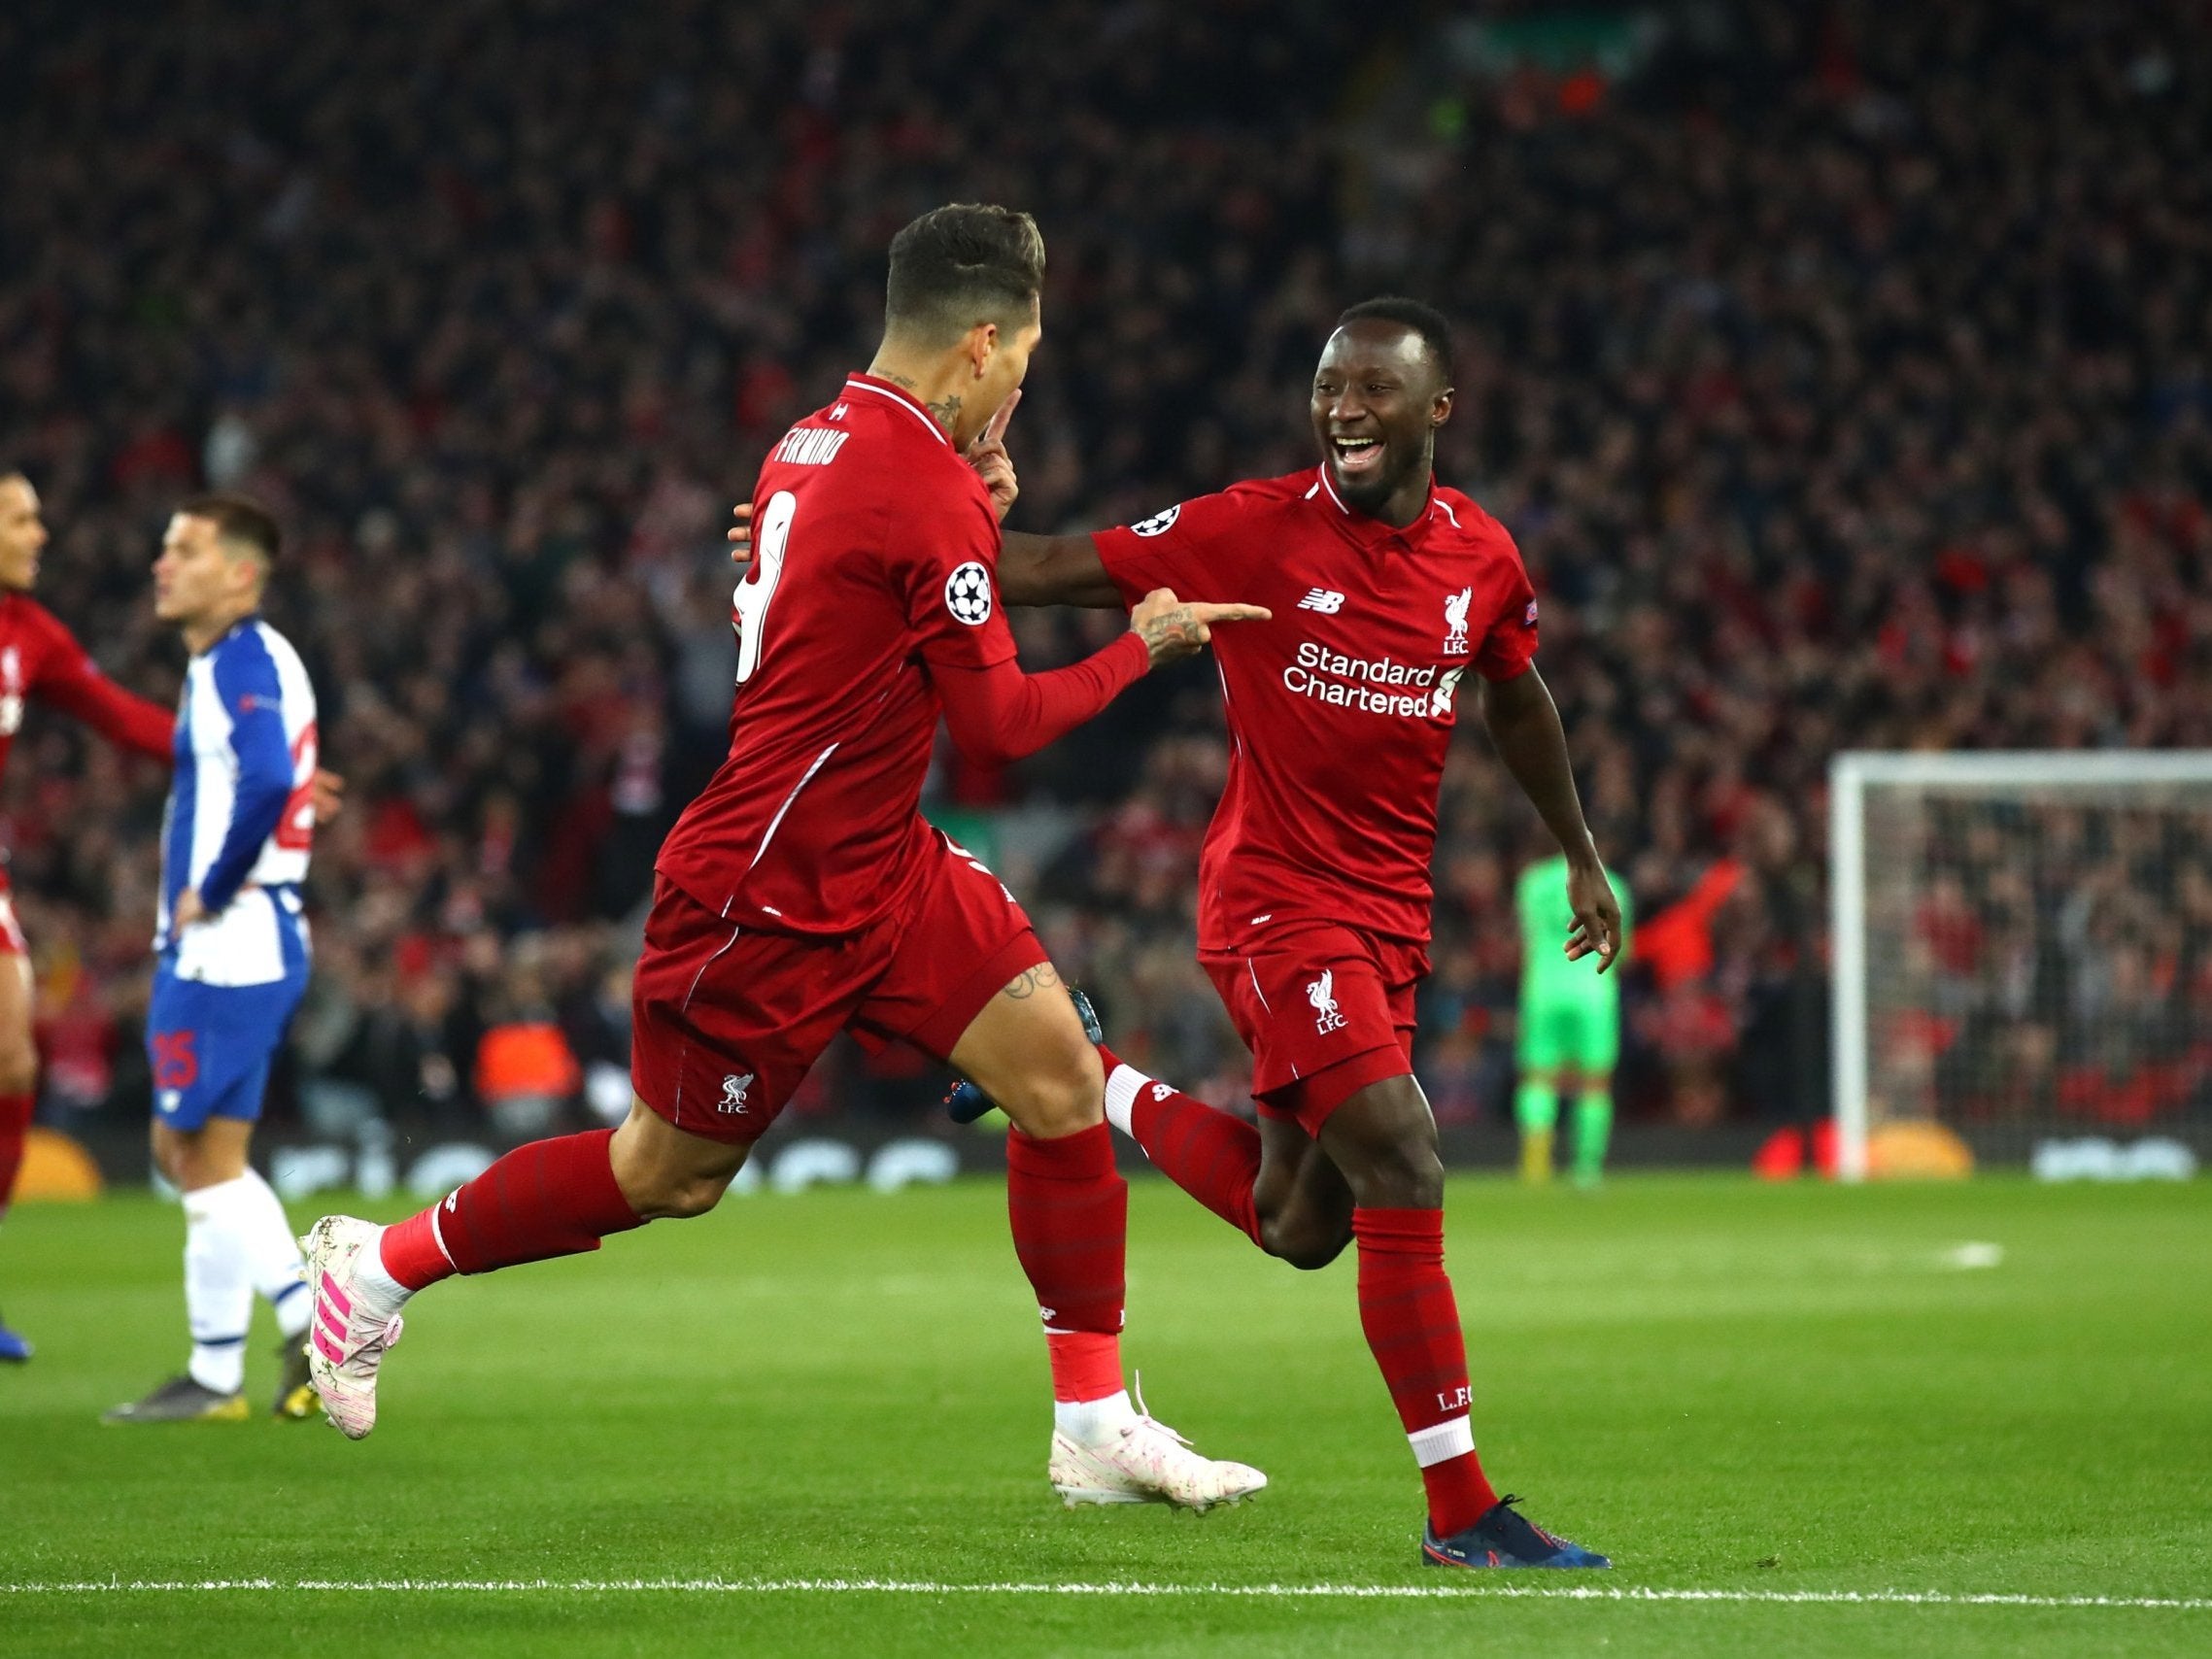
[[1570, 1028]]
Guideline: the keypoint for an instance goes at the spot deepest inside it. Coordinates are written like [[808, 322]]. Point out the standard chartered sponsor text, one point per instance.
[[1350, 682]]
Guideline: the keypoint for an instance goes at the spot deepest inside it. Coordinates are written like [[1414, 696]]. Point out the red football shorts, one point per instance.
[[1326, 1010], [12, 940], [725, 1020]]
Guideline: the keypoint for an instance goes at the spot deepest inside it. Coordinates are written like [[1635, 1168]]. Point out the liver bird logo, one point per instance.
[[1322, 994], [1455, 622]]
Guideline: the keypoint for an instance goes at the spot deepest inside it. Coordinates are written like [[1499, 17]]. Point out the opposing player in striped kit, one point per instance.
[[231, 949]]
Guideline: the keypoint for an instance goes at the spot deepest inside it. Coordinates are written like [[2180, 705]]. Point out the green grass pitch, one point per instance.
[[1759, 1392]]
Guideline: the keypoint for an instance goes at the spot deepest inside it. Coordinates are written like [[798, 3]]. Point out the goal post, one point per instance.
[[2021, 943]]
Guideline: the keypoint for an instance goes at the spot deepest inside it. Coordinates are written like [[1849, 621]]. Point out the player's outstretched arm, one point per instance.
[[1033, 571], [1524, 724], [1055, 570], [72, 685], [998, 714]]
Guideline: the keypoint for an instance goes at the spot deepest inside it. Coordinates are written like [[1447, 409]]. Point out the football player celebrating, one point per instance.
[[803, 893], [39, 658], [1313, 924]]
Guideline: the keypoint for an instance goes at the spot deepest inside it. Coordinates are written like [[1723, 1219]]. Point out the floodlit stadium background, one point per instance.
[[1841, 371]]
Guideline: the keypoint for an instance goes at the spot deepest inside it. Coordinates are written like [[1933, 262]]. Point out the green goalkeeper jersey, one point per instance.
[[1546, 976]]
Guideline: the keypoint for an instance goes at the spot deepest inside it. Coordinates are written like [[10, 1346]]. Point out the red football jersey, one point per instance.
[[1340, 709], [875, 554], [41, 659]]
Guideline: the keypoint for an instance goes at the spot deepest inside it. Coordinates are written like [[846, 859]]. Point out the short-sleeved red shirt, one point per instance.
[[1341, 708], [875, 554]]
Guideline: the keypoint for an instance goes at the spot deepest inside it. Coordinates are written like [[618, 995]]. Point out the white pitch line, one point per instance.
[[928, 1587]]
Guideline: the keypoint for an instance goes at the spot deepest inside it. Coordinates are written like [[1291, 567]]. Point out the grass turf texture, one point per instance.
[[1725, 1386]]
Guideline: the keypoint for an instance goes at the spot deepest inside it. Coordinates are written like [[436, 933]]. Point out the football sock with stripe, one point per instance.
[[15, 1132], [273, 1263], [1069, 1209], [552, 1197], [1210, 1155], [218, 1289], [1412, 1321], [1594, 1129]]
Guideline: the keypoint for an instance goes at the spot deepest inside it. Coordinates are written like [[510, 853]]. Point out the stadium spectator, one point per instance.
[[1841, 371]]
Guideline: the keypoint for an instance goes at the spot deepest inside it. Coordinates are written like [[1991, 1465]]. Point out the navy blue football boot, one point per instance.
[[15, 1348], [965, 1102], [1504, 1538]]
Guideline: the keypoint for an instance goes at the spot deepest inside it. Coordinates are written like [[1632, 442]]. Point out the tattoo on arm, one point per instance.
[[1029, 982]]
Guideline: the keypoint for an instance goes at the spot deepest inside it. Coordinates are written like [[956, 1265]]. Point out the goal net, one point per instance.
[[2023, 945]]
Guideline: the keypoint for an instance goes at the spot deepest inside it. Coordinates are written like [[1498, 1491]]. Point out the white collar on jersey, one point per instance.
[[890, 394], [1437, 503]]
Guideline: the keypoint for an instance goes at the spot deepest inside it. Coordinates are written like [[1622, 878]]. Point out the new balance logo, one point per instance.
[[1327, 600], [1161, 1091], [734, 1094], [1322, 994]]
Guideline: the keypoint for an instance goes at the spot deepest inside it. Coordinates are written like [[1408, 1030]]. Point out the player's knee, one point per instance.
[[1306, 1247], [677, 1194], [1051, 1100], [1400, 1175]]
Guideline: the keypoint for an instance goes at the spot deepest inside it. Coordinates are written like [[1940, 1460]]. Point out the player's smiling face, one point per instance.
[[1378, 401]]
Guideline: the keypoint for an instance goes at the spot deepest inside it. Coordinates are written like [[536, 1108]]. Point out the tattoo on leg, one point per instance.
[[1029, 982]]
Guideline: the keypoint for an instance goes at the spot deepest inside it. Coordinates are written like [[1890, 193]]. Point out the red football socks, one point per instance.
[[1210, 1155], [1411, 1322], [1069, 1211], [1086, 1365], [552, 1197], [15, 1130]]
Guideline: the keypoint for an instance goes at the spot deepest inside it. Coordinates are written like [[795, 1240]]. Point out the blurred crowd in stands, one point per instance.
[[2036, 957], [1845, 373]]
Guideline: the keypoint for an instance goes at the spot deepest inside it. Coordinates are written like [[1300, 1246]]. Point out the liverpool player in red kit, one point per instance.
[[1314, 894], [39, 658], [803, 893]]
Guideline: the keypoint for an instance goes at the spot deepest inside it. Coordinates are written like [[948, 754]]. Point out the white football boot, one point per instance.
[[353, 1328], [1146, 1461]]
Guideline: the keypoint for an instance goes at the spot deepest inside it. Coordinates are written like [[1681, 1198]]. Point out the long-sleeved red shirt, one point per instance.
[[41, 659]]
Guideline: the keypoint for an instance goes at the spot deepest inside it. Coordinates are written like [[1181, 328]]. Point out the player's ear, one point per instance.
[[1440, 411], [983, 346]]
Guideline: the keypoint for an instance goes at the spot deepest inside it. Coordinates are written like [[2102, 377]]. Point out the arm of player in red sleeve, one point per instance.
[[76, 688], [1000, 714]]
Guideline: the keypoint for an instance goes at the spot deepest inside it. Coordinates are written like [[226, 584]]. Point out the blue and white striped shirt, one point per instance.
[[241, 813]]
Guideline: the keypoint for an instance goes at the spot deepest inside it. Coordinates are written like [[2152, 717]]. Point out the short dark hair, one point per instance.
[[1424, 319], [237, 518], [960, 265]]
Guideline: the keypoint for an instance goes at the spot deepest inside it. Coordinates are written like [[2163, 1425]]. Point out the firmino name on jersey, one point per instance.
[[1350, 682], [810, 446]]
